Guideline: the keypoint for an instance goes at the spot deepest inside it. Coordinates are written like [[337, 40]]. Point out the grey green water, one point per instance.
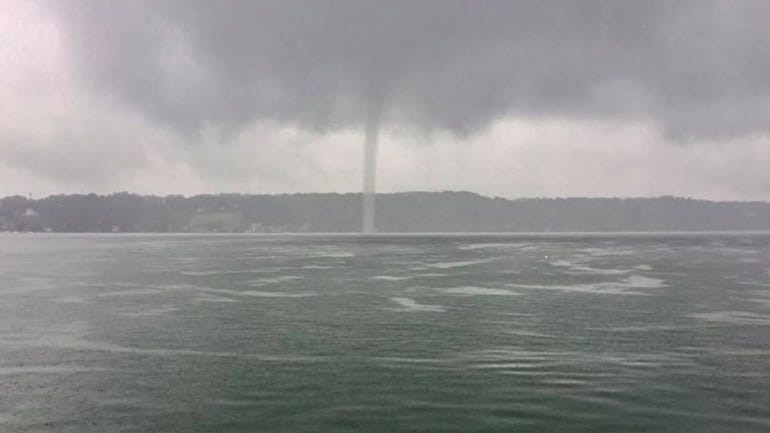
[[573, 333]]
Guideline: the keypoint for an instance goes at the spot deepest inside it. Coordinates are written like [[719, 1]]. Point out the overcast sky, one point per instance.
[[507, 98]]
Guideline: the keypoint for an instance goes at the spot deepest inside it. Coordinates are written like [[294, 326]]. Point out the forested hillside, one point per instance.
[[398, 212]]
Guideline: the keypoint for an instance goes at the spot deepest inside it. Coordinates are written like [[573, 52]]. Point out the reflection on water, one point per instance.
[[389, 333]]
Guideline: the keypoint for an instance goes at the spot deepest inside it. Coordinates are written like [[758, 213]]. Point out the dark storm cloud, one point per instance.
[[696, 68]]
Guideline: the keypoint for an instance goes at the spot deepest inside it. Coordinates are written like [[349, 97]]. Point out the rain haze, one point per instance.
[[384, 216]]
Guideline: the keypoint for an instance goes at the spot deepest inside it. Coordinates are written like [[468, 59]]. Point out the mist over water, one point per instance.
[[457, 333]]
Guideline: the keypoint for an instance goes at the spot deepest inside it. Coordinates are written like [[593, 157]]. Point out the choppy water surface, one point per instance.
[[413, 333]]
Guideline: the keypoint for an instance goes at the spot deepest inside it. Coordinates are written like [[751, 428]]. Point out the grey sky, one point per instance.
[[504, 97]]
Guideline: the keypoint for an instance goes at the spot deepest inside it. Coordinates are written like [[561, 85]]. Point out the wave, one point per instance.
[[411, 305], [479, 291]]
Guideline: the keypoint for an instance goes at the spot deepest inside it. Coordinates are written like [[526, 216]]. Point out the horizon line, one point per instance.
[[353, 193]]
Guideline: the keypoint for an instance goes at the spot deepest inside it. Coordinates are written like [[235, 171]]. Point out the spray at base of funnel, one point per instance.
[[370, 172]]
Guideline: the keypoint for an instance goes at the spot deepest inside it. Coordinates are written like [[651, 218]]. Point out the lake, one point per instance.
[[418, 333]]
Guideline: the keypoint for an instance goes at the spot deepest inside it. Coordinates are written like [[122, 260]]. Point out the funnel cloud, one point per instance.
[[370, 173]]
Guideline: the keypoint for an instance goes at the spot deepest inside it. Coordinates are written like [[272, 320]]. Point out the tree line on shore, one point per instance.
[[395, 212]]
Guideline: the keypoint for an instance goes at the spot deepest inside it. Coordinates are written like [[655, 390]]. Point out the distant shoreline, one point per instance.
[[396, 213], [522, 235]]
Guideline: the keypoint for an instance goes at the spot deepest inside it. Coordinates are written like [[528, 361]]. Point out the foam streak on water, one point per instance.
[[383, 334]]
